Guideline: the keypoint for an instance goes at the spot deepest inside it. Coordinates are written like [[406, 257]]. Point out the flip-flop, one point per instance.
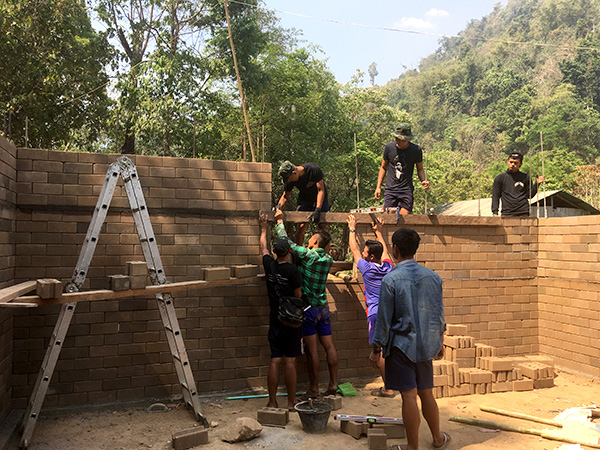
[[447, 440], [379, 393], [305, 397]]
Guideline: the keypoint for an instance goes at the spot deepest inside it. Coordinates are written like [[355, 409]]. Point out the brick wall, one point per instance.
[[569, 292], [8, 178], [489, 269], [204, 214]]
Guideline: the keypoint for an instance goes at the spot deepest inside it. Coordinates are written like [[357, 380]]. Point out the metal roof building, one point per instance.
[[557, 204]]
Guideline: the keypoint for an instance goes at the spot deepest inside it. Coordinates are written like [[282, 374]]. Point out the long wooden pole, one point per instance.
[[518, 415], [543, 173], [239, 81], [356, 166], [547, 434]]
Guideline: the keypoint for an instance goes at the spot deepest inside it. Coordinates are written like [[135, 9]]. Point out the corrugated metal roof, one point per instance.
[[483, 207]]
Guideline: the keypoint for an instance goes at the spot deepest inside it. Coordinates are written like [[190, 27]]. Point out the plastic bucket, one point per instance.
[[314, 415]]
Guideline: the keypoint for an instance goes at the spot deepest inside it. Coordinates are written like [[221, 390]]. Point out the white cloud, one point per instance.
[[434, 12], [413, 22]]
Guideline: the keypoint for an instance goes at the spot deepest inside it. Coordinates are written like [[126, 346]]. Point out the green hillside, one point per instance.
[[524, 77]]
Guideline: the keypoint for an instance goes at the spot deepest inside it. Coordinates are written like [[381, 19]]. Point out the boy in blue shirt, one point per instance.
[[373, 263]]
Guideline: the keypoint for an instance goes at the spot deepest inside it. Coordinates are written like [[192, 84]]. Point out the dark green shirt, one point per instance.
[[314, 265]]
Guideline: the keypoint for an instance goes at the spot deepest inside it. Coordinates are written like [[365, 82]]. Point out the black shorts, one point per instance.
[[401, 374], [304, 205], [285, 341], [398, 200]]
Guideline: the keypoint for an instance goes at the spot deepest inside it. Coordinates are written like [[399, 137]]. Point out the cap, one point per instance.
[[286, 169], [403, 132], [516, 155], [281, 247]]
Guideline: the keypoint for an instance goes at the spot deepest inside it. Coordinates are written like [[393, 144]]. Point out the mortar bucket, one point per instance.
[[314, 415]]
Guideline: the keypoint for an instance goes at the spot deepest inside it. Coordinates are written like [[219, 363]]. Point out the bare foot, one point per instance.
[[272, 405]]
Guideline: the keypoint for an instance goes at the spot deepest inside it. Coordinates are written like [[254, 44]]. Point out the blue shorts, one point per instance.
[[401, 374], [398, 200], [317, 320], [371, 323]]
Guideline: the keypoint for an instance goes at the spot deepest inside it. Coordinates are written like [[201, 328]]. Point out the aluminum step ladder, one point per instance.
[[125, 169]]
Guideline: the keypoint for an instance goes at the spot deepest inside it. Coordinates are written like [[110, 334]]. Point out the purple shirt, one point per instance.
[[372, 274]]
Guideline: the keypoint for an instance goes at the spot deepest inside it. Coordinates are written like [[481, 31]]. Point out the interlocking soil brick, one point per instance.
[[456, 330], [137, 282], [244, 271], [217, 273], [465, 362], [505, 386], [119, 282], [476, 376], [497, 364], [392, 430], [273, 416], [463, 389], [48, 288], [354, 429], [522, 385], [377, 439], [440, 380], [135, 268], [189, 438], [543, 383], [465, 353], [334, 400]]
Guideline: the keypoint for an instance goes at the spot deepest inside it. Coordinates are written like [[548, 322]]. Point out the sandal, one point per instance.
[[379, 393], [447, 440]]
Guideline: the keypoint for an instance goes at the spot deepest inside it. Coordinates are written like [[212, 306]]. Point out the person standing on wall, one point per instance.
[[399, 160], [409, 331], [514, 188], [373, 263], [312, 196], [283, 278]]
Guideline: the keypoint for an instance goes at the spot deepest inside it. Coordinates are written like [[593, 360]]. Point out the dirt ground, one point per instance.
[[133, 428]]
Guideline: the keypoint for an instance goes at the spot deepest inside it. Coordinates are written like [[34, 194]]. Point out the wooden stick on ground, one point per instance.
[[517, 415], [556, 435]]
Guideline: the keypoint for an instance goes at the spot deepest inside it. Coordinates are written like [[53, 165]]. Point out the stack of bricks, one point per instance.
[[470, 368], [459, 348], [541, 374]]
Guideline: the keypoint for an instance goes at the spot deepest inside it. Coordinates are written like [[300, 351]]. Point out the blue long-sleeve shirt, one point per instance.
[[411, 312]]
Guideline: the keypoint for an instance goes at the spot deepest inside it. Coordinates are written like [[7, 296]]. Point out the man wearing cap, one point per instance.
[[283, 278], [312, 196], [399, 160], [515, 188]]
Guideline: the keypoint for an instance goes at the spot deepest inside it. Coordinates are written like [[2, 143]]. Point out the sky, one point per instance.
[[348, 47]]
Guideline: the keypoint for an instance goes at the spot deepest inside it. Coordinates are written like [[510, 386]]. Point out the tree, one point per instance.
[[175, 53], [52, 71], [373, 72]]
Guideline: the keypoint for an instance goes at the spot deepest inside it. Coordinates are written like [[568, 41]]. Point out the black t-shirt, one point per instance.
[[515, 189], [307, 183], [401, 165], [288, 278]]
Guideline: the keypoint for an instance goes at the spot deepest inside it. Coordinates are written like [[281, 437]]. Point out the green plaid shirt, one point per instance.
[[314, 265]]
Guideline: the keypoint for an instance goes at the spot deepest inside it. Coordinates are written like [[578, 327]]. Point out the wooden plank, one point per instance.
[[12, 292], [107, 294], [390, 219]]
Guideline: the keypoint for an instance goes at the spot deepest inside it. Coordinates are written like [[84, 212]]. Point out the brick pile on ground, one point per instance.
[[473, 368]]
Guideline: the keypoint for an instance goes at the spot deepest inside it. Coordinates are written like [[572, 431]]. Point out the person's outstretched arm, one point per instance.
[[377, 227], [264, 226], [353, 245]]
